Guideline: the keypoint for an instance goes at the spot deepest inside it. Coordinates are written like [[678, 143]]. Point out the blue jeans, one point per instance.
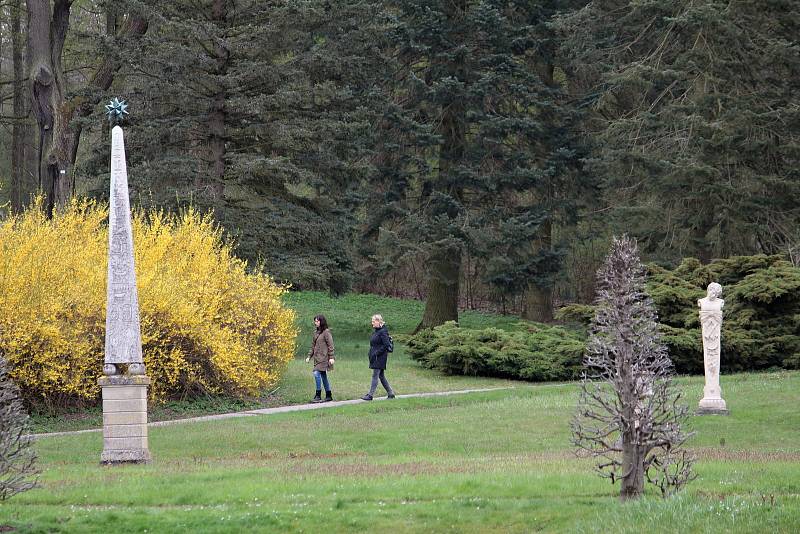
[[321, 376]]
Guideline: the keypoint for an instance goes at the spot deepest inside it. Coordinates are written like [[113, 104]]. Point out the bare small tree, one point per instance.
[[17, 458], [629, 413]]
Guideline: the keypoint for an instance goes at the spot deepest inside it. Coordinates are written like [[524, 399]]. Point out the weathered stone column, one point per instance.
[[124, 396], [711, 323]]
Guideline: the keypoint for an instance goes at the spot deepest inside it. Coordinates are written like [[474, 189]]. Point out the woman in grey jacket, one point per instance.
[[322, 354]]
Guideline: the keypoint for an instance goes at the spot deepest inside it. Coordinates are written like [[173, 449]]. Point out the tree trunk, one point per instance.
[[30, 150], [633, 454], [699, 239], [111, 19], [2, 40], [20, 129], [217, 117], [538, 299], [58, 136], [46, 42], [444, 267], [538, 304], [632, 470]]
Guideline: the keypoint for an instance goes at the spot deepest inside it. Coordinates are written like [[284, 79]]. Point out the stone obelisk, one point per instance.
[[125, 383], [711, 325]]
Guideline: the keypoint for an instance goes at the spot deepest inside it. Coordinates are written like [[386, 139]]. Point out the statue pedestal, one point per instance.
[[124, 419], [712, 406]]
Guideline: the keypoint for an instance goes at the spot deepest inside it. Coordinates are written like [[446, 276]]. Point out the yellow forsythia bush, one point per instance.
[[208, 326]]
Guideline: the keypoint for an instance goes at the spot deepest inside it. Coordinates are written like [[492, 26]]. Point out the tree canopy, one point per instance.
[[461, 151]]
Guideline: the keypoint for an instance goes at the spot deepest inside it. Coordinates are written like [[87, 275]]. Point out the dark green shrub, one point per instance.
[[537, 353], [760, 330]]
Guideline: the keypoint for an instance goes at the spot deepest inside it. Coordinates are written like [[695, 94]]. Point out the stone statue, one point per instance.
[[711, 324], [123, 334]]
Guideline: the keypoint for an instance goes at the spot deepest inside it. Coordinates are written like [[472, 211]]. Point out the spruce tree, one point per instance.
[[694, 121], [475, 146], [258, 111]]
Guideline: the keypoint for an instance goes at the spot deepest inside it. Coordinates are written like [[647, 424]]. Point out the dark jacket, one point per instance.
[[321, 350], [379, 348]]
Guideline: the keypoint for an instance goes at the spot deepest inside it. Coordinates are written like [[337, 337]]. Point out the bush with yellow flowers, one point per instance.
[[208, 325]]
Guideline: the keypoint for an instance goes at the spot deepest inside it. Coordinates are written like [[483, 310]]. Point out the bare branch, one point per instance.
[[17, 459]]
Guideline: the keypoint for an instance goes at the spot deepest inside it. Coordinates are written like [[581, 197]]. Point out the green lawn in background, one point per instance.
[[483, 462], [349, 319]]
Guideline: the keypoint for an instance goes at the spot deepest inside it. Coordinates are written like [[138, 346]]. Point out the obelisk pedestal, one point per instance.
[[124, 419]]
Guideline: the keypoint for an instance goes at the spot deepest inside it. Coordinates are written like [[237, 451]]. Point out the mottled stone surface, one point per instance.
[[137, 456], [123, 334], [125, 380], [704, 410]]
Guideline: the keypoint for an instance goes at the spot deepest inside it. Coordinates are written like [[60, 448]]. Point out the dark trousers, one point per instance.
[[378, 374]]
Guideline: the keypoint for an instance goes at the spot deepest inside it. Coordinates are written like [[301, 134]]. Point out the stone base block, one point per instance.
[[124, 418], [712, 411], [125, 431], [713, 406], [135, 456]]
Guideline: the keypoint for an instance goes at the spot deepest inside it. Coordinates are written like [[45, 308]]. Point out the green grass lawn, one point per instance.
[[484, 462]]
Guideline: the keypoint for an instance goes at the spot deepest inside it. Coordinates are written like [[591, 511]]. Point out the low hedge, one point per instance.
[[536, 352], [761, 317]]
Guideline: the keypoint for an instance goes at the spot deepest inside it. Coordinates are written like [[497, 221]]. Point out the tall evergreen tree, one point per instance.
[[695, 120], [474, 147], [258, 111]]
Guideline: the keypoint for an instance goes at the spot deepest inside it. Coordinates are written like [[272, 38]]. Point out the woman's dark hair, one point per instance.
[[323, 323]]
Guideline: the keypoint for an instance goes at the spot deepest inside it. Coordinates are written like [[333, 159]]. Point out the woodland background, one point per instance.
[[470, 153]]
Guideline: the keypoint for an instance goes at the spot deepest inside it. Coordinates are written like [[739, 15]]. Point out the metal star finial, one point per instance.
[[116, 111]]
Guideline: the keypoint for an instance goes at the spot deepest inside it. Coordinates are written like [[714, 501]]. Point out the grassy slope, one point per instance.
[[349, 320], [489, 462]]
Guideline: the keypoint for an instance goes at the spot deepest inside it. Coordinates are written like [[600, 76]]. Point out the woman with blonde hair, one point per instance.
[[380, 345]]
